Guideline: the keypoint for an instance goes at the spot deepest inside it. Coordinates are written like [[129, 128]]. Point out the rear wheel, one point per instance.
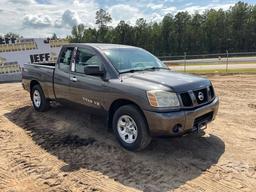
[[39, 101], [131, 128]]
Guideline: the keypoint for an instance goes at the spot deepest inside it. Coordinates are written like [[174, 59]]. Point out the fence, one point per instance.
[[221, 62]]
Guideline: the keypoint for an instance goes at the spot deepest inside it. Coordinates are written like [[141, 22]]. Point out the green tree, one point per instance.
[[90, 35], [155, 38], [252, 29], [54, 36], [239, 16], [197, 34], [212, 31], [78, 33], [140, 33], [182, 34], [216, 31], [123, 33], [167, 34], [103, 18]]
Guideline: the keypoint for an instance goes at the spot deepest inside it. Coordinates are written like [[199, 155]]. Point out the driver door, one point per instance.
[[86, 90]]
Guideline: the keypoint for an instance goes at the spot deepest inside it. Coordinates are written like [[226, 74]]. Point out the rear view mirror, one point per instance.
[[93, 70]]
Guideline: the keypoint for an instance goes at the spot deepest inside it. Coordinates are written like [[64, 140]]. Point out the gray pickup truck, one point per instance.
[[136, 93]]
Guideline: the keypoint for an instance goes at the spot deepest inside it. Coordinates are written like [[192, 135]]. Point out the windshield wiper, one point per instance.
[[145, 69], [154, 68], [131, 71]]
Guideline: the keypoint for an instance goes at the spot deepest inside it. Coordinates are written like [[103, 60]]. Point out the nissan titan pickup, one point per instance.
[[138, 95]]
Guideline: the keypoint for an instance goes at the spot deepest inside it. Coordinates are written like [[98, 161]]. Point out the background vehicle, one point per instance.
[[139, 96]]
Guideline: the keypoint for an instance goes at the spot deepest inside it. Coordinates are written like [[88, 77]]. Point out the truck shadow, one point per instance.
[[81, 141]]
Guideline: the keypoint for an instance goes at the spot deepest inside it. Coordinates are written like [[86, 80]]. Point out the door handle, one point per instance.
[[74, 79]]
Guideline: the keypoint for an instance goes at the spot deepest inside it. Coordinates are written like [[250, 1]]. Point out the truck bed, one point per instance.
[[42, 73]]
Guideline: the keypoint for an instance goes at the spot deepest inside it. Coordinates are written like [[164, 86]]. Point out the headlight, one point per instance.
[[159, 98]]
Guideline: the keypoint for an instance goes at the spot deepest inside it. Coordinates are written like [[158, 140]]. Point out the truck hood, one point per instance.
[[178, 82]]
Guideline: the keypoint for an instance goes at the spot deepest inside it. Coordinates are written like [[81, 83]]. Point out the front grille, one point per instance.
[[186, 99], [201, 96], [197, 97], [203, 119], [211, 92]]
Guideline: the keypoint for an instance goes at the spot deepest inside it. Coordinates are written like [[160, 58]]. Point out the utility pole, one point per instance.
[[185, 61], [227, 61]]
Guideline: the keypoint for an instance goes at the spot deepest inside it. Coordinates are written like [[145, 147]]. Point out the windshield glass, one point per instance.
[[133, 59]]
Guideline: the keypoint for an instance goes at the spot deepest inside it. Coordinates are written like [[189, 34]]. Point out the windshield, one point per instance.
[[133, 59]]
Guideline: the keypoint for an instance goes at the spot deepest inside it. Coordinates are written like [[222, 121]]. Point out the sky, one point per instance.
[[41, 18]]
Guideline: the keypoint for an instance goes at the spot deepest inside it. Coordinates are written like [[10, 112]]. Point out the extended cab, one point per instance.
[[139, 96]]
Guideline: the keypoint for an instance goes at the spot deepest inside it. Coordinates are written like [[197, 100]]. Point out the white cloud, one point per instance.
[[68, 19], [124, 12], [26, 16], [201, 9], [155, 17], [221, 6], [37, 21], [155, 6], [189, 4], [23, 2], [171, 10], [130, 13], [215, 1]]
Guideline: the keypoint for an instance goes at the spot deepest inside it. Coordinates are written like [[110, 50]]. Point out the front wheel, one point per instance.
[[130, 128], [39, 101]]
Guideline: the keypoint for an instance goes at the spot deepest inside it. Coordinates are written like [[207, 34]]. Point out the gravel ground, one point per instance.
[[66, 150]]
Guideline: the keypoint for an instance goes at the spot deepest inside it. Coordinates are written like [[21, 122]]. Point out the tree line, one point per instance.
[[213, 31]]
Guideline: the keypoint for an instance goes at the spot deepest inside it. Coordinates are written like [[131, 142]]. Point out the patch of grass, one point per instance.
[[219, 71], [205, 64]]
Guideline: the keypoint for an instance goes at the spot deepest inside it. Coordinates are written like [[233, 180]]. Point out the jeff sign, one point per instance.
[[29, 50], [7, 40], [38, 58]]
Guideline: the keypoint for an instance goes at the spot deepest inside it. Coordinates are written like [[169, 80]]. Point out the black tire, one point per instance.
[[44, 103], [143, 138]]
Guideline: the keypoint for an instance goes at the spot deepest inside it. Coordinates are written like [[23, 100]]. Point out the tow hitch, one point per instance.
[[199, 127]]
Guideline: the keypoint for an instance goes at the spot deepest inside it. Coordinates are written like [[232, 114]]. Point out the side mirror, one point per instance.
[[93, 70]]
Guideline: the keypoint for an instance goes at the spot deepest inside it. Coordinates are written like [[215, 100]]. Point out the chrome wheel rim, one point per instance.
[[127, 129], [37, 98]]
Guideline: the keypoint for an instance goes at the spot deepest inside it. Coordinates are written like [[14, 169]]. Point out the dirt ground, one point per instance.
[[65, 150]]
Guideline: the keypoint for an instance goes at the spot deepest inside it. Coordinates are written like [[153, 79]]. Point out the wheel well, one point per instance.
[[117, 104], [33, 83]]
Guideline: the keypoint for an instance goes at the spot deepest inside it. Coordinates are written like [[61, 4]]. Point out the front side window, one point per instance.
[[65, 59], [85, 57]]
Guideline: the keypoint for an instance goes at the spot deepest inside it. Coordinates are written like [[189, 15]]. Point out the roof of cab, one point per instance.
[[103, 45]]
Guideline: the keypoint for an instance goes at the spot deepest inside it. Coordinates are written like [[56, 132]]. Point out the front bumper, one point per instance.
[[161, 124]]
